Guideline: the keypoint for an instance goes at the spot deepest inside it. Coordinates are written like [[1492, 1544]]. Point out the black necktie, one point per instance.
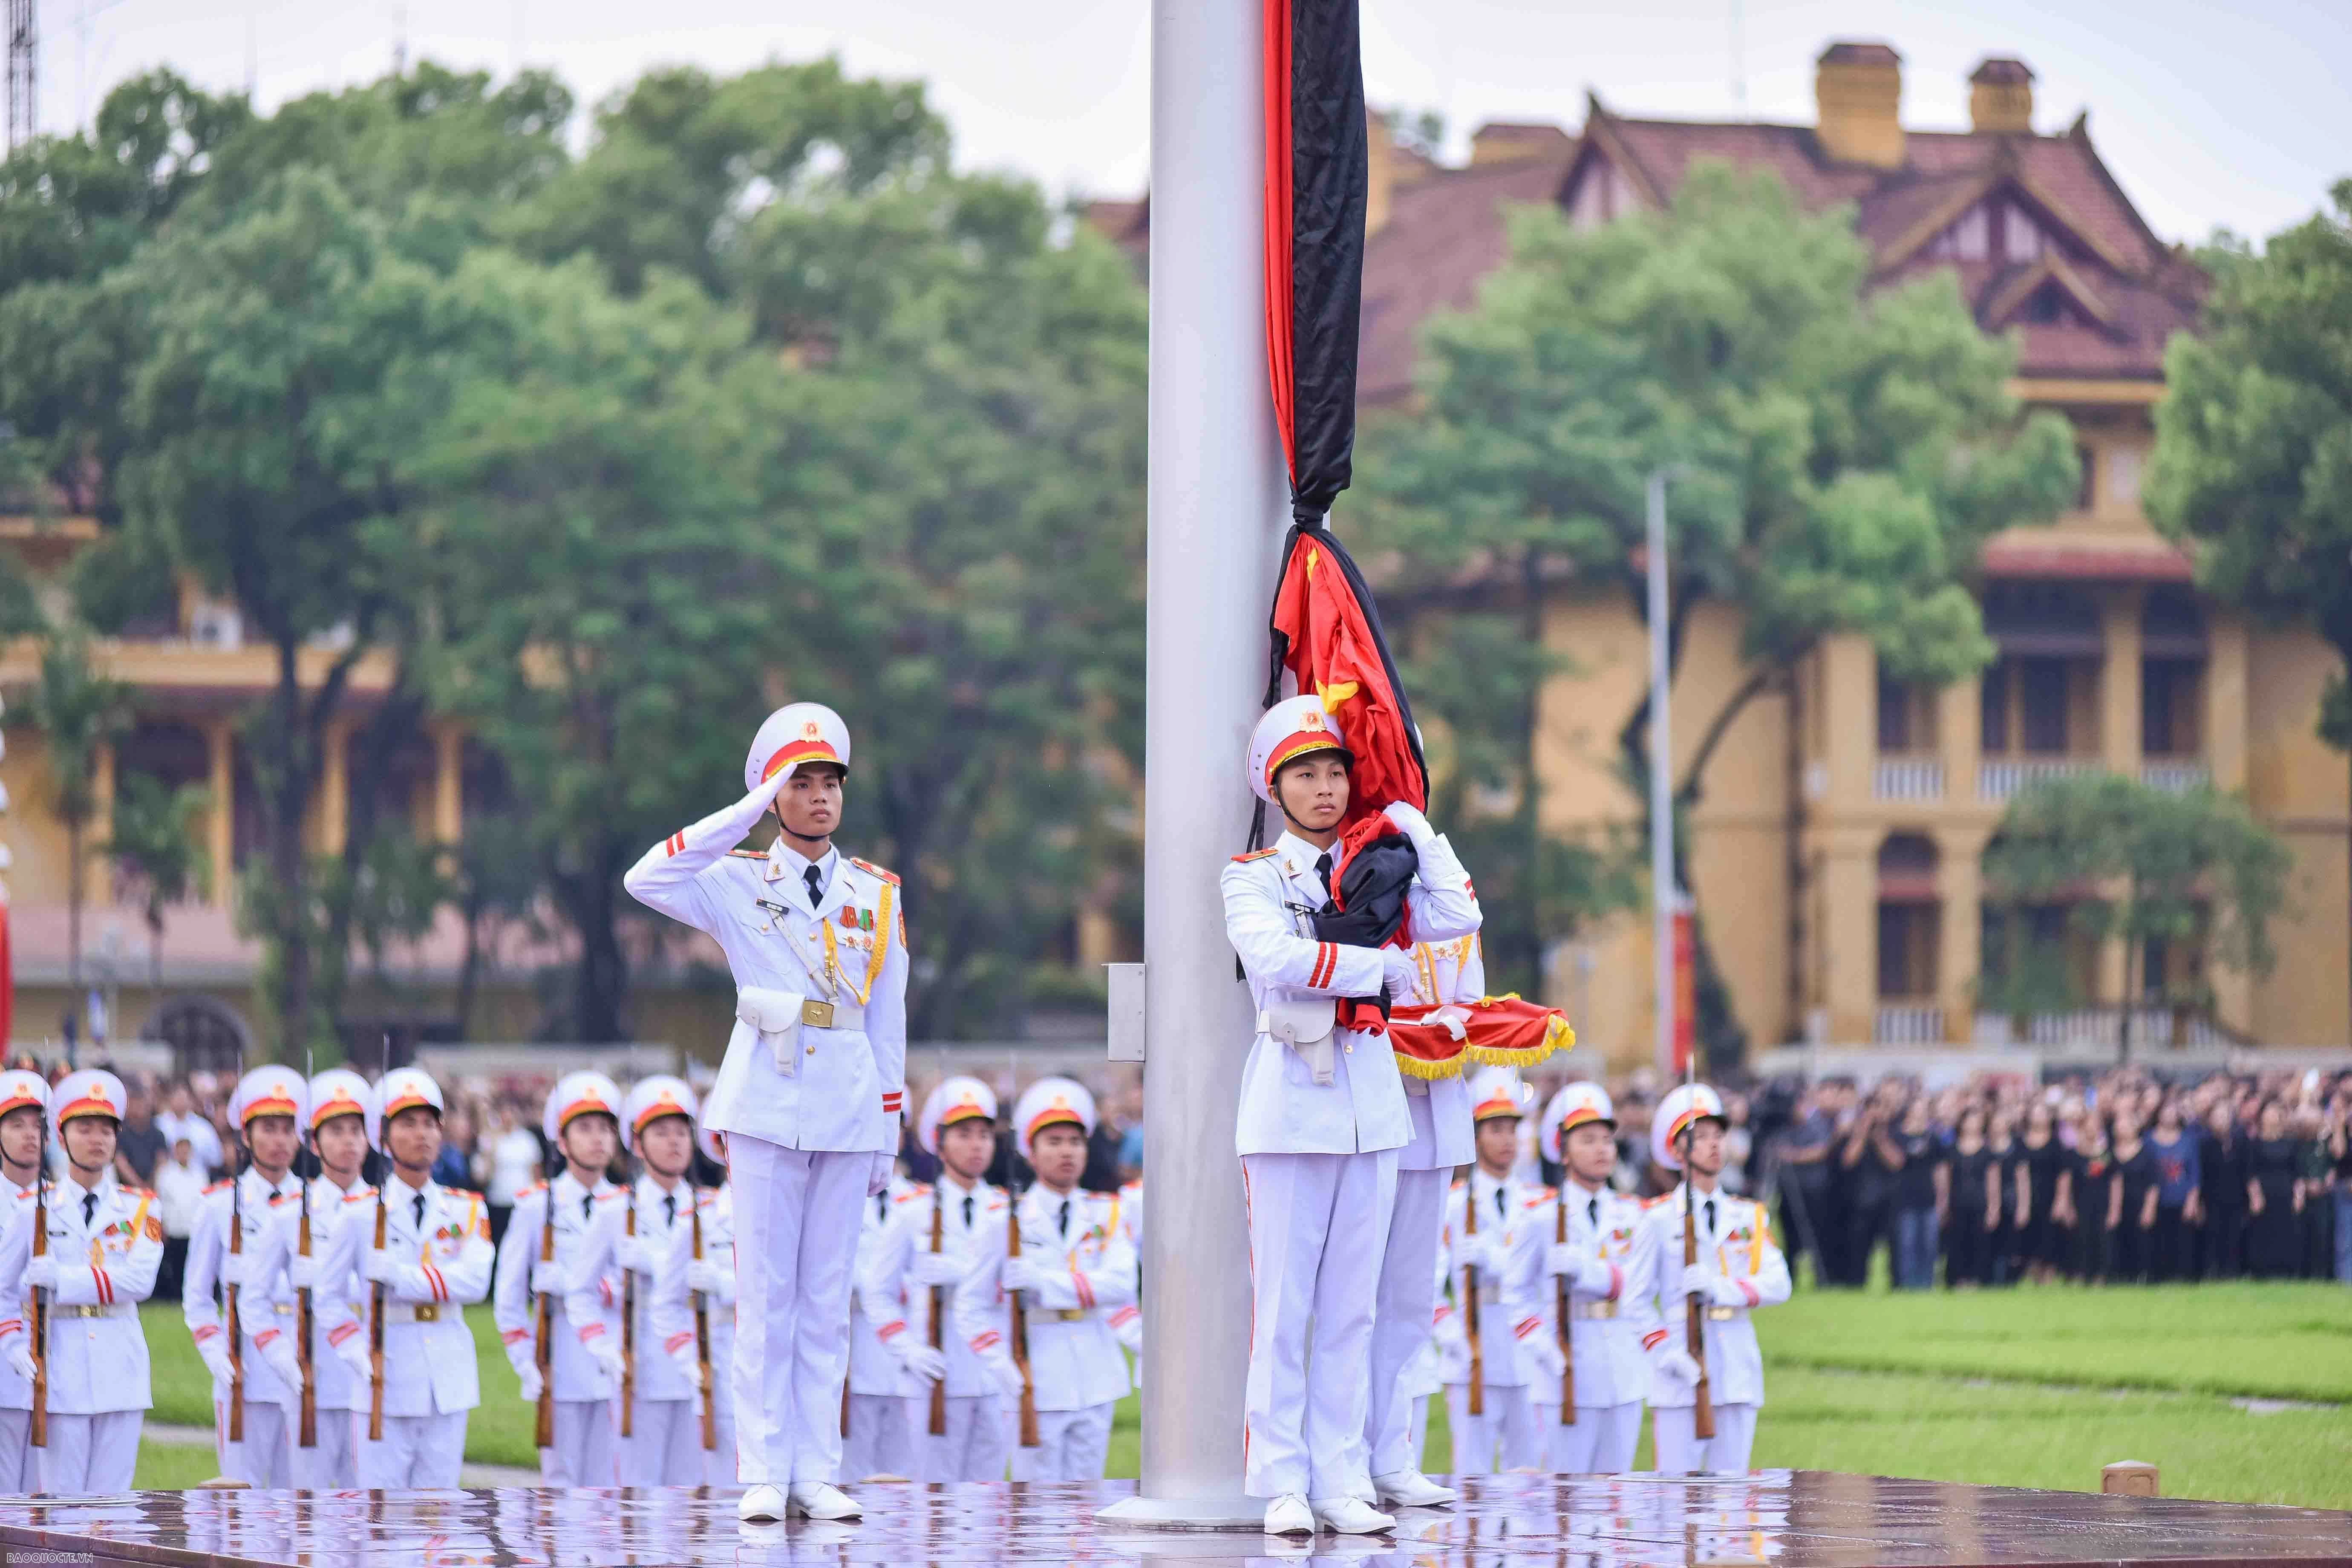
[[1498, 1203], [882, 1205], [420, 1213], [669, 1210], [88, 1209], [815, 885], [1710, 1217], [587, 1203], [1064, 1223], [967, 1211], [1592, 1211], [1323, 872]]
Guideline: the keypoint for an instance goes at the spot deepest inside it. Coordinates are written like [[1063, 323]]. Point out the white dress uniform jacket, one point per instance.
[[1443, 1137], [444, 1248], [1735, 1241], [263, 1304], [1508, 1312], [673, 1317], [1269, 899], [107, 1254], [1606, 1328], [598, 1285], [873, 1370], [270, 1256], [900, 1306], [1074, 1360], [786, 1078], [578, 1376]]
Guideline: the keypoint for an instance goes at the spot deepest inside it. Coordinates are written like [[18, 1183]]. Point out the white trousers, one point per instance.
[[1601, 1443], [258, 1459], [1679, 1452], [796, 1219], [664, 1447], [328, 1465], [19, 1476], [1314, 1281], [583, 1454], [880, 1440], [417, 1451], [974, 1446], [1502, 1437], [1408, 1296], [90, 1454], [1072, 1446]]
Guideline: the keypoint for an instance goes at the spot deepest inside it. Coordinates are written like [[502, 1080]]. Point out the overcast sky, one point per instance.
[[2231, 115]]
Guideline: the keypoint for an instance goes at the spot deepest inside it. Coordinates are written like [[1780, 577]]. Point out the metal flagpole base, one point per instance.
[[1184, 1513]]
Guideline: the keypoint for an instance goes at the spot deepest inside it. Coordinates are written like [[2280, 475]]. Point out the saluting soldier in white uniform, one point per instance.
[[1603, 1263], [1075, 1268], [1740, 1268], [23, 1101], [958, 1124], [1439, 1109], [1490, 1235], [265, 1107], [809, 1094], [662, 1447], [336, 1107], [582, 1119], [105, 1243], [436, 1261], [878, 1439], [1322, 1116], [681, 1282]]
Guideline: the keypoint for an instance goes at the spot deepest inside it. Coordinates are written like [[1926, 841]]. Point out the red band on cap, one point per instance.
[[802, 751]]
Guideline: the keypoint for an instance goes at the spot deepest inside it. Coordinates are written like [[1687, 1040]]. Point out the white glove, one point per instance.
[[214, 1352], [1675, 1364], [19, 1357], [41, 1273], [924, 1363], [1582, 1271], [605, 1354], [937, 1268], [706, 1277], [690, 1368], [1020, 1274], [531, 1383], [1006, 1374], [355, 1352], [631, 1254], [380, 1266], [1487, 1252], [232, 1268], [546, 1278], [1710, 1287], [878, 1180], [1400, 973], [302, 1272], [1131, 1334], [283, 1360], [1411, 823], [1448, 1331], [1544, 1352]]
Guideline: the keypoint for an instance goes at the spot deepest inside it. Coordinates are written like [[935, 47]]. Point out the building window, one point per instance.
[[1906, 950], [2123, 475], [1903, 718], [2042, 706], [2169, 693], [2021, 236], [1968, 239]]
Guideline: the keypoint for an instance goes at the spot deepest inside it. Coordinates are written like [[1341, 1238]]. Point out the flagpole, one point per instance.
[[1218, 499], [1661, 788]]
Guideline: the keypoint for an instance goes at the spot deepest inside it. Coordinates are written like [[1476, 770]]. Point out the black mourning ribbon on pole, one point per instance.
[[1330, 164]]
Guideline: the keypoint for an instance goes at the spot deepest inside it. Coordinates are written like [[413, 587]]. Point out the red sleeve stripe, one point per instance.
[[263, 1337], [1749, 1292], [207, 1331], [1125, 1316], [1327, 961], [987, 1341], [1086, 1290], [887, 1329], [605, 1288], [1616, 1283], [336, 1336], [433, 1277], [1526, 1326], [676, 842], [105, 1287], [11, 1326], [513, 1336], [893, 1101], [1651, 1340]]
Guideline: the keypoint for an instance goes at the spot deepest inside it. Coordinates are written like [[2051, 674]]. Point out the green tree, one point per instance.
[[1840, 455], [158, 845], [2144, 866], [78, 712]]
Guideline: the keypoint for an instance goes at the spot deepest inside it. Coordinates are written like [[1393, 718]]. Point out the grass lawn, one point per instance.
[[2029, 1387]]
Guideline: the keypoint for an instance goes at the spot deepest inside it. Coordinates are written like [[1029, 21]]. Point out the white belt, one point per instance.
[[92, 1310]]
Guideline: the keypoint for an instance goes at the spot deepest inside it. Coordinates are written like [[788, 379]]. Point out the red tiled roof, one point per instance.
[[2049, 556]]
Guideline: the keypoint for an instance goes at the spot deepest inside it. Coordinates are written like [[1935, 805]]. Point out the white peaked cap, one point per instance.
[[1291, 728], [401, 1088], [267, 1090], [1047, 1101], [337, 1091], [650, 1098], [799, 733], [1573, 1106], [92, 1091], [578, 1093], [1685, 1105], [19, 1087], [1497, 1091], [954, 1099]]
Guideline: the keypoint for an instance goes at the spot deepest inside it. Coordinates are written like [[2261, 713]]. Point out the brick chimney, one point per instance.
[[1858, 94], [2000, 97]]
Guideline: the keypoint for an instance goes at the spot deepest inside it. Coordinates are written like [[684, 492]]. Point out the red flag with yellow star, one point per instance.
[[1326, 633]]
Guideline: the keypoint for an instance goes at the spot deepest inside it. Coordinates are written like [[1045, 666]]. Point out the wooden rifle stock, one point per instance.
[[1029, 1437], [375, 1324], [38, 1434], [1470, 1303], [236, 1320], [1563, 1312], [543, 1349], [702, 1335], [1695, 1330], [939, 1314], [629, 1325], [307, 1434]]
